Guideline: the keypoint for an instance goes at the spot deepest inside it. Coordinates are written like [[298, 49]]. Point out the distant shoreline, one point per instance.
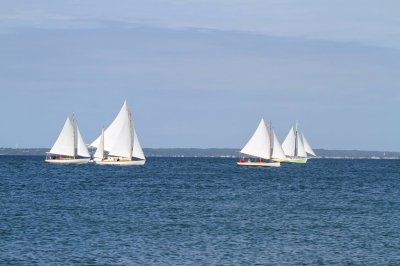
[[219, 153]]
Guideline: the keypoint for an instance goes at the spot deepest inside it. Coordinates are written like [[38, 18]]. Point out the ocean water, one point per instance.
[[199, 211]]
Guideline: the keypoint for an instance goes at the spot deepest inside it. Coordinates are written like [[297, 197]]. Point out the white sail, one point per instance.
[[307, 146], [137, 148], [289, 144], [122, 144], [277, 152], [65, 143], [258, 145], [300, 147], [100, 148], [113, 131], [118, 137], [81, 147]]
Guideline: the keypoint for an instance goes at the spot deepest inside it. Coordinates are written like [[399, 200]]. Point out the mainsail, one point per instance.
[[123, 142], [259, 144], [112, 132], [118, 137], [65, 143]]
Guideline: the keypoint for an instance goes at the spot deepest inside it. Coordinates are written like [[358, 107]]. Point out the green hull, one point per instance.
[[291, 160]]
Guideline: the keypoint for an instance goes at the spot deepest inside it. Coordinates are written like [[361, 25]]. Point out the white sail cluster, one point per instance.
[[119, 144], [118, 141], [265, 144], [296, 145]]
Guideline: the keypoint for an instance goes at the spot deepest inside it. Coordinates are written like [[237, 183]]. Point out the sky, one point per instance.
[[202, 74]]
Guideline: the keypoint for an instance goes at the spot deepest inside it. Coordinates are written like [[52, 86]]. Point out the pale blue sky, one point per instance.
[[202, 73]]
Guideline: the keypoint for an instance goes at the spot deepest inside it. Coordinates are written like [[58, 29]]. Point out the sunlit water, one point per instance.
[[199, 211]]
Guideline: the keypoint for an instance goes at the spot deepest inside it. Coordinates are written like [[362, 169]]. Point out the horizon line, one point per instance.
[[41, 148]]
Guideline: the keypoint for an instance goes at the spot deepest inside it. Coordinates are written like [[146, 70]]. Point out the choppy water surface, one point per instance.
[[198, 211]]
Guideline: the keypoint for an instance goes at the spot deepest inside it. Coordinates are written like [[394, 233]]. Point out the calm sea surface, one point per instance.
[[199, 211]]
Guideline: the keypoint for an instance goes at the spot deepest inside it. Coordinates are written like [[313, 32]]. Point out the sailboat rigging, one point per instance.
[[69, 146], [296, 147], [119, 143], [261, 145]]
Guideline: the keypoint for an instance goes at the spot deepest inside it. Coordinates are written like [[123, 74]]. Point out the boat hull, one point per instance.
[[68, 161], [110, 162], [292, 160], [262, 164]]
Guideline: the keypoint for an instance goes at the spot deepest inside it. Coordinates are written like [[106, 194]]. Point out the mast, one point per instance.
[[102, 144], [270, 139], [130, 127], [295, 140], [74, 133]]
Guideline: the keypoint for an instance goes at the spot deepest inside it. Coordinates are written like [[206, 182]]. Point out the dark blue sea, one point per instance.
[[199, 211]]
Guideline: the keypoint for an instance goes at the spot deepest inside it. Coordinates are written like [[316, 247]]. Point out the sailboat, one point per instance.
[[260, 146], [115, 145], [296, 147], [69, 146]]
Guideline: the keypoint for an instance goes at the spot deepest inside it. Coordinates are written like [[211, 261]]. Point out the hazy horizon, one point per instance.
[[210, 148], [201, 74]]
